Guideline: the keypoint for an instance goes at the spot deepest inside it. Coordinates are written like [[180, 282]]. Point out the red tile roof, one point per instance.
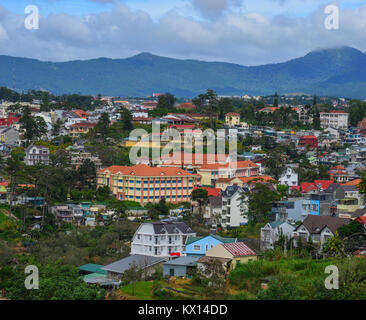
[[142, 170], [83, 124], [323, 183], [338, 111], [361, 219], [239, 249], [212, 192], [307, 186], [237, 164], [234, 114], [257, 179]]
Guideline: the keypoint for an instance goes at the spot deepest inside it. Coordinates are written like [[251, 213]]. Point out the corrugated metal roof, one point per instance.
[[182, 261], [238, 249], [139, 260]]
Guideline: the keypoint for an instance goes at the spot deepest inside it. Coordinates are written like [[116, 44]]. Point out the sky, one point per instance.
[[247, 32]]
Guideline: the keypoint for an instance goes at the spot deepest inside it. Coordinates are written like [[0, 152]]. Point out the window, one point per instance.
[[196, 247]]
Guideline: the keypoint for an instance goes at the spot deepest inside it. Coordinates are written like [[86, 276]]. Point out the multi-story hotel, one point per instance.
[[336, 119], [144, 184], [210, 173]]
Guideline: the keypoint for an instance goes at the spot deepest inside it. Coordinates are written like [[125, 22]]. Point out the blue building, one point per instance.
[[197, 246], [179, 267]]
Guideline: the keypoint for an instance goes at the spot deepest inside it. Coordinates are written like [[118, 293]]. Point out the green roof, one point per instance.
[[93, 268], [224, 240], [95, 275], [193, 239], [275, 224], [219, 238]]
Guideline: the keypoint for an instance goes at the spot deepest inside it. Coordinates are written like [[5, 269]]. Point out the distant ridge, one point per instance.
[[336, 72]]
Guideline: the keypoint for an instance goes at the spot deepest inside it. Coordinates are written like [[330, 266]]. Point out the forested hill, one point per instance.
[[332, 72]]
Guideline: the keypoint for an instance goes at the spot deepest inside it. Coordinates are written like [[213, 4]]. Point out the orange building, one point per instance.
[[142, 183]]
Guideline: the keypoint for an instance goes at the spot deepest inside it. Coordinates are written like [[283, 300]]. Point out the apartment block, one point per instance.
[[142, 183]]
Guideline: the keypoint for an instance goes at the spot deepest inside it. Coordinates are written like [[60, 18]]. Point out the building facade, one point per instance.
[[37, 155], [161, 239], [336, 119], [144, 184]]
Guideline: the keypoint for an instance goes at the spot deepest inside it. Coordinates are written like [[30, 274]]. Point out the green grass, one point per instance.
[[143, 290], [3, 217]]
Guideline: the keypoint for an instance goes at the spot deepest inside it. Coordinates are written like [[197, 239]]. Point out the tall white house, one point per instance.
[[289, 177], [37, 155], [337, 119], [234, 210], [160, 239]]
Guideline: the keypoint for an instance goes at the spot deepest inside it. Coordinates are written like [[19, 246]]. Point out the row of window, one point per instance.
[[157, 189], [153, 181], [168, 197]]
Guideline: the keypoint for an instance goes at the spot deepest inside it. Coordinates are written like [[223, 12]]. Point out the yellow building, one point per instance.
[[142, 183], [345, 207], [236, 251], [210, 173], [78, 129], [244, 182], [232, 119]]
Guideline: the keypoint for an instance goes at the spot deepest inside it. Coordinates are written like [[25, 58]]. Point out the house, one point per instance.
[[234, 209], [320, 204], [77, 129], [37, 155], [271, 233], [308, 141], [336, 119], [145, 184], [235, 251], [210, 173], [289, 177], [318, 228], [339, 174], [232, 119], [213, 209], [9, 136], [198, 246], [148, 264], [161, 239], [179, 267], [79, 157]]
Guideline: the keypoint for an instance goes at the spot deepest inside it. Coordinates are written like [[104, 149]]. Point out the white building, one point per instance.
[[271, 233], [289, 177], [234, 210], [160, 239], [336, 119], [36, 154]]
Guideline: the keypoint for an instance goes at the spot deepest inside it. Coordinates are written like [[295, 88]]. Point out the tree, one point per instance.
[[133, 275], [200, 195], [166, 101], [275, 100], [119, 207], [275, 164], [214, 273], [126, 118], [103, 124], [259, 202], [55, 132]]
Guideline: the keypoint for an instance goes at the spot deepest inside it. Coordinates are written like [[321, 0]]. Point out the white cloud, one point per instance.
[[247, 38]]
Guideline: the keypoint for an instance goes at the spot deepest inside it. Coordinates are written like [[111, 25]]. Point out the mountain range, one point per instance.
[[333, 72]]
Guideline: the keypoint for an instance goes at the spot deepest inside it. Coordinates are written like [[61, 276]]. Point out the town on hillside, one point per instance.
[[182, 219]]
